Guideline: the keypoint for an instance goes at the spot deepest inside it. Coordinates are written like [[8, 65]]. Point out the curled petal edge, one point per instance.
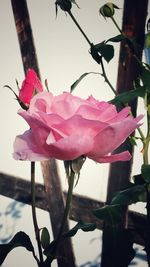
[[123, 156]]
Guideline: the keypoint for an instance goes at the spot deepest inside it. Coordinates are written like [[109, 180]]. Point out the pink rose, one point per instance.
[[30, 86], [66, 127]]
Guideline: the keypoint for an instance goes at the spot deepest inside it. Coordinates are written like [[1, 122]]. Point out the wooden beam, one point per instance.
[[29, 59], [25, 36], [55, 200], [19, 189], [128, 71]]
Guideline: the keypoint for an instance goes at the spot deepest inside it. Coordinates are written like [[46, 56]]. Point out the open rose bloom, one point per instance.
[[66, 127]]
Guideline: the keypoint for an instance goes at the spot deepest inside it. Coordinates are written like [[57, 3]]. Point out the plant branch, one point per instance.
[[105, 76], [114, 21], [71, 179], [89, 42], [80, 29], [36, 228]]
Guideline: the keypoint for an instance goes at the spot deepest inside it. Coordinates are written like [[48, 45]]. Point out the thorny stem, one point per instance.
[[71, 180], [36, 228]]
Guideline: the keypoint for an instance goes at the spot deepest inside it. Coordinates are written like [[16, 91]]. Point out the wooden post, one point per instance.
[[55, 198], [128, 71], [50, 174], [134, 17]]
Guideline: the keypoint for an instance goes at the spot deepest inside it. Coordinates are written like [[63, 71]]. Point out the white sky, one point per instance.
[[63, 55]]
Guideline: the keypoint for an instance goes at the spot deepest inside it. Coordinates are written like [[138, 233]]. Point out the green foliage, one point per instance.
[[138, 179], [75, 84], [21, 239], [102, 50], [145, 170], [86, 227], [126, 97], [116, 39], [109, 213], [147, 40], [45, 238], [65, 5], [23, 106], [145, 77], [131, 195]]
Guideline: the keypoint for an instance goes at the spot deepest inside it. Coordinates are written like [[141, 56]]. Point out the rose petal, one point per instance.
[[25, 148], [113, 136], [71, 147], [123, 156]]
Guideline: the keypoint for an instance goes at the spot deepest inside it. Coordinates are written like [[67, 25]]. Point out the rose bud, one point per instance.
[[108, 10]]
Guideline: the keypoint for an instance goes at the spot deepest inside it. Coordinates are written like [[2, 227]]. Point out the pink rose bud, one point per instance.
[[30, 86], [67, 127]]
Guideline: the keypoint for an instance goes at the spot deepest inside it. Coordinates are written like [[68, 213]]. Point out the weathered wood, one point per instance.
[[128, 71], [55, 198], [29, 59], [19, 189], [25, 36]]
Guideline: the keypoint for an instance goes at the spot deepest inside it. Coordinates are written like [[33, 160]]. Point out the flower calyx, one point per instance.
[[108, 10], [74, 166], [65, 5]]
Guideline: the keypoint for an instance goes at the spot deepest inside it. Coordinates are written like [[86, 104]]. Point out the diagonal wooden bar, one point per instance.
[[82, 207], [50, 174]]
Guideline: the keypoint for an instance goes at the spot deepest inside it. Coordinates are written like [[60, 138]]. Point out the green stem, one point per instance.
[[116, 24], [147, 140], [66, 212], [105, 77], [80, 29], [141, 134], [89, 42], [146, 161], [36, 228]]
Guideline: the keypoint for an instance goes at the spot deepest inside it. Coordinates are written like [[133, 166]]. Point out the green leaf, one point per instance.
[[18, 99], [133, 140], [45, 238], [145, 170], [116, 39], [110, 213], [138, 179], [102, 50], [21, 239], [126, 97], [75, 84], [129, 196], [147, 40], [106, 50], [86, 227], [145, 77]]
